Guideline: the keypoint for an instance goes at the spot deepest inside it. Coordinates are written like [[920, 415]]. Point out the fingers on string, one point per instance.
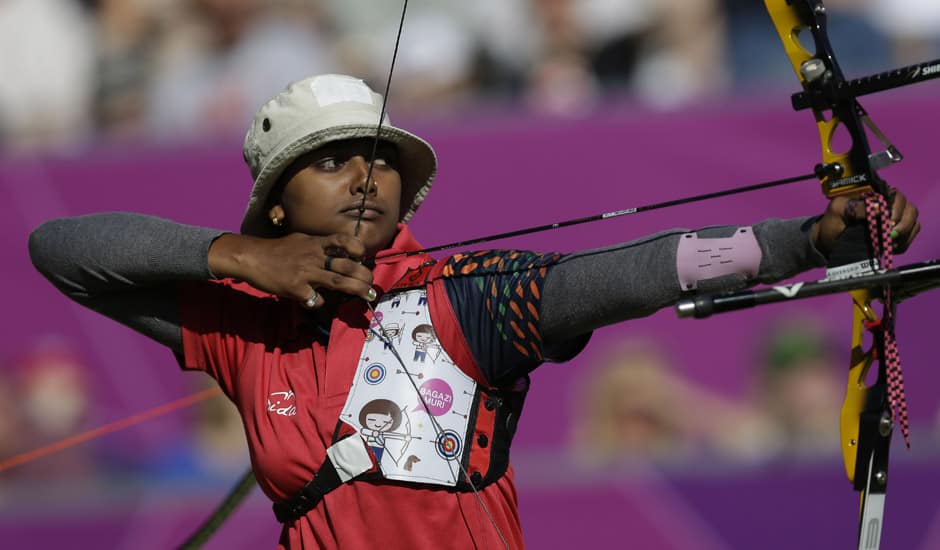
[[348, 276], [344, 246], [336, 266]]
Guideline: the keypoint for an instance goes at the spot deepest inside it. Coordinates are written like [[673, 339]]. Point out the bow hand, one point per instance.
[[836, 237]]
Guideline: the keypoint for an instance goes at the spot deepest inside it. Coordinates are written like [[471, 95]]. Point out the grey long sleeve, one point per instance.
[[595, 288], [125, 266]]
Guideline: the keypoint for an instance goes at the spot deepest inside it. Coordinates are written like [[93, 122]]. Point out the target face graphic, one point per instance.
[[448, 445], [374, 374]]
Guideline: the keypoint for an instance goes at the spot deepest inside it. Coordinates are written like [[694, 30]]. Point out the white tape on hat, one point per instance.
[[328, 90]]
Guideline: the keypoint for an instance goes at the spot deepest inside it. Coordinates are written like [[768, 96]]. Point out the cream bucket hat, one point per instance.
[[311, 113]]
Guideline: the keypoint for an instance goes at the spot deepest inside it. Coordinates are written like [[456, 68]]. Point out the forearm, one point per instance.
[[591, 289]]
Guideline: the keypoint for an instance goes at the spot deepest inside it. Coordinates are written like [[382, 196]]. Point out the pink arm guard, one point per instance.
[[699, 259]]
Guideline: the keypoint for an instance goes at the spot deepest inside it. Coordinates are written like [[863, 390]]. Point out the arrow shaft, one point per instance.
[[614, 214]]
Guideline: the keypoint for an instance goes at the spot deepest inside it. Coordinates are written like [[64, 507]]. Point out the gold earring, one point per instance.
[[276, 222]]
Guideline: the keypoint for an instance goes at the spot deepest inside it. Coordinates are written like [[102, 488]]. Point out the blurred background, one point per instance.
[[663, 434]]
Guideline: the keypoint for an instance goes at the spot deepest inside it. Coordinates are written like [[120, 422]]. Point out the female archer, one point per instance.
[[324, 251]]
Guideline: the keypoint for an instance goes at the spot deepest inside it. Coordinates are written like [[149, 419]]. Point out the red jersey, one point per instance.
[[289, 381]]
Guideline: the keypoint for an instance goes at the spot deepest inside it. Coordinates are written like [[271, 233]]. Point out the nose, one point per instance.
[[359, 183]]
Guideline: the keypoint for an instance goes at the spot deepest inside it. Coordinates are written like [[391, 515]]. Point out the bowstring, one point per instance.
[[378, 126], [377, 318]]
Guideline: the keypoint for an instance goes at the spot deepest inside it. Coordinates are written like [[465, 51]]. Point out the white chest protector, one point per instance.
[[412, 410]]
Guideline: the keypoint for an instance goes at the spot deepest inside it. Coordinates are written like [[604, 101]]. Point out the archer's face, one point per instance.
[[324, 194]]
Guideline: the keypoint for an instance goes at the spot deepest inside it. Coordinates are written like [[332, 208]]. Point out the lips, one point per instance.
[[371, 211]]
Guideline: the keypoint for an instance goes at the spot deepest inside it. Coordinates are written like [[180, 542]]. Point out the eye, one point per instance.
[[329, 164], [387, 156], [387, 161]]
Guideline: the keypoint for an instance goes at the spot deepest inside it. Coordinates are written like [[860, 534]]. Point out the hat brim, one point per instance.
[[417, 167]]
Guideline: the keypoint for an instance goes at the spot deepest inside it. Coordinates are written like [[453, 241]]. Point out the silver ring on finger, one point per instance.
[[312, 300]]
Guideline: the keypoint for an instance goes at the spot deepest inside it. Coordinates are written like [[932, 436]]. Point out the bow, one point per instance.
[[868, 411]]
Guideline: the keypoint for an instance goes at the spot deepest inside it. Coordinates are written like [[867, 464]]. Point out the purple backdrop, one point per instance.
[[497, 173]]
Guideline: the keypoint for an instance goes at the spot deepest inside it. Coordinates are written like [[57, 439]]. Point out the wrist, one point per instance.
[[229, 256]]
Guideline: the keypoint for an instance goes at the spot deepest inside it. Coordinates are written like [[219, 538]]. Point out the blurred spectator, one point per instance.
[[561, 81], [633, 405], [177, 68], [218, 440], [684, 59], [126, 39], [756, 57], [800, 387], [912, 26], [46, 51], [437, 68], [434, 70], [54, 399], [11, 428], [212, 450], [224, 58], [559, 56], [662, 53]]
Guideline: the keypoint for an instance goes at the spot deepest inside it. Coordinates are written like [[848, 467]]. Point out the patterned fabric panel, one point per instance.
[[496, 295]]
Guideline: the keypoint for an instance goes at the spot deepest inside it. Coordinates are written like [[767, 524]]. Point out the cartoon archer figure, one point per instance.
[[424, 340], [391, 334], [379, 419]]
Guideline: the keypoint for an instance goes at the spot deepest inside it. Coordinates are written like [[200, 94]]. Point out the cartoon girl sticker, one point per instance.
[[424, 340], [380, 418]]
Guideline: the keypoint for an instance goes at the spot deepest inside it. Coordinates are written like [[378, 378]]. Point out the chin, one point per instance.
[[377, 240]]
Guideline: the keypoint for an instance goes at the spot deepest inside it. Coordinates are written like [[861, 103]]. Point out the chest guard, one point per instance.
[[414, 414]]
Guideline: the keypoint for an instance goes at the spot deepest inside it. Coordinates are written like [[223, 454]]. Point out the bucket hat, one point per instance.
[[315, 111]]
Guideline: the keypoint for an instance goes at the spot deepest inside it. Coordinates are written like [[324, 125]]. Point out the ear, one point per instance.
[[277, 216]]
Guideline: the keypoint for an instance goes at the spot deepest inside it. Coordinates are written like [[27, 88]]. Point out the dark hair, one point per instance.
[[422, 328]]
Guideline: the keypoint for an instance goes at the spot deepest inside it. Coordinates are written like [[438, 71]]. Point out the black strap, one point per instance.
[[307, 498]]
